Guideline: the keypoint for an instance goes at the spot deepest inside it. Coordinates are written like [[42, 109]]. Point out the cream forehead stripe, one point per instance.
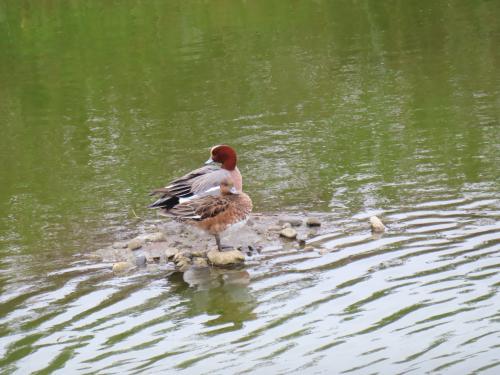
[[213, 148]]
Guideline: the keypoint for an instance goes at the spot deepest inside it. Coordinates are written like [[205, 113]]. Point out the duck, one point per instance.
[[215, 215], [203, 181], [210, 197]]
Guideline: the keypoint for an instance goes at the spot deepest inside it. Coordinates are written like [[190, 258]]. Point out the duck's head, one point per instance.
[[223, 154], [227, 187]]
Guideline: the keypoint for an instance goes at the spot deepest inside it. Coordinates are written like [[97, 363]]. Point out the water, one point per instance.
[[342, 108]]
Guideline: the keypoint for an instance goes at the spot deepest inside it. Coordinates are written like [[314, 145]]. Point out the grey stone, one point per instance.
[[293, 221], [140, 260]]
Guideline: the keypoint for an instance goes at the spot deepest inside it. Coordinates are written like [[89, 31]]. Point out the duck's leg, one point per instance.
[[217, 240]]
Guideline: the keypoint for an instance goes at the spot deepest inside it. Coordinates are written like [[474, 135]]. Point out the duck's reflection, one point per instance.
[[221, 293]]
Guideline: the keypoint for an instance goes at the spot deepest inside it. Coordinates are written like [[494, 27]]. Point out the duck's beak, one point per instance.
[[210, 161]]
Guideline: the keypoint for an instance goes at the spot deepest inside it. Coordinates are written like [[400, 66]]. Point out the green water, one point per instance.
[[338, 107]]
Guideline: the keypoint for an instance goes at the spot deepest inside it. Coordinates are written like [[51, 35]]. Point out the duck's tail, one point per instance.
[[165, 203]]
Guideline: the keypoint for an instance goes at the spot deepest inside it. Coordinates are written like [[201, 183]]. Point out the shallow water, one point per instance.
[[345, 109]]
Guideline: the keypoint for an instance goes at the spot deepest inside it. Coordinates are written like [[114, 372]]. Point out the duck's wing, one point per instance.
[[201, 208], [196, 183]]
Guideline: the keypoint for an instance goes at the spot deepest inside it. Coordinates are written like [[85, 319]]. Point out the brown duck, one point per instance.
[[215, 214]]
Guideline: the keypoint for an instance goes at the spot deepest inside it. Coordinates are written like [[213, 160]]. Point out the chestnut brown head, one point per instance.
[[224, 155]]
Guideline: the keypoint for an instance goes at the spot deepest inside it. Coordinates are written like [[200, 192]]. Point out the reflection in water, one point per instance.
[[220, 293]]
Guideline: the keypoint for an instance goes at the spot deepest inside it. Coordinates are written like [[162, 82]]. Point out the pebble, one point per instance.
[[308, 248], [288, 233], [301, 240], [140, 260], [225, 258], [170, 252], [156, 237], [293, 221], [119, 245], [200, 262], [286, 225], [313, 222], [377, 225], [121, 267], [274, 228], [135, 243]]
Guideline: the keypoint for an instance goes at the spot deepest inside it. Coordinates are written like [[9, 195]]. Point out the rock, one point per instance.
[[119, 245], [156, 237], [288, 233], [377, 225], [309, 248], [182, 255], [171, 252], [301, 240], [225, 258], [198, 253], [293, 221], [155, 254], [286, 225], [121, 267], [140, 261], [200, 262], [274, 228], [135, 243], [313, 222], [182, 262]]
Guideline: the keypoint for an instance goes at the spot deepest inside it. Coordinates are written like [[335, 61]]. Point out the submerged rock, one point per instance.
[[313, 222], [225, 258], [121, 267], [289, 233], [377, 225]]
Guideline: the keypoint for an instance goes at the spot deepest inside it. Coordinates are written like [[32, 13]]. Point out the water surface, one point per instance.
[[337, 107]]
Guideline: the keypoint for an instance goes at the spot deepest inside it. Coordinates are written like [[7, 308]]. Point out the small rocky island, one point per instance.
[[180, 247]]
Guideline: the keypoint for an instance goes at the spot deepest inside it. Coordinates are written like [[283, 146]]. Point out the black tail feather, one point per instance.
[[167, 203]]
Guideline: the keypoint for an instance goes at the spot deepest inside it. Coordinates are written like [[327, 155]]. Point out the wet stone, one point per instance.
[[119, 245], [156, 237], [313, 222], [135, 243], [225, 258], [376, 225], [293, 221], [122, 267], [289, 233], [200, 262], [170, 252], [140, 261]]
